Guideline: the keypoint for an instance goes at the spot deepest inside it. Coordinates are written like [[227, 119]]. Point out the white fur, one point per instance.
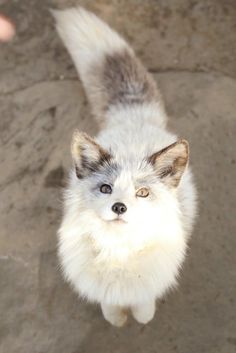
[[133, 263], [86, 37]]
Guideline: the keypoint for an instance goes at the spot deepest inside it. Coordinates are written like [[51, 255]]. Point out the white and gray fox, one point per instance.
[[130, 202]]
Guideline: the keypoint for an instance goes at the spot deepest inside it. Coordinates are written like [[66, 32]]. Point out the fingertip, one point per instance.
[[7, 29]]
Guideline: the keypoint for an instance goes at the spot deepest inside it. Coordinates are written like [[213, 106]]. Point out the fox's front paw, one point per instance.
[[144, 313], [117, 320], [113, 314]]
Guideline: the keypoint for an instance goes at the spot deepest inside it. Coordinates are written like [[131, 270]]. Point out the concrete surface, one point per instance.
[[190, 46]]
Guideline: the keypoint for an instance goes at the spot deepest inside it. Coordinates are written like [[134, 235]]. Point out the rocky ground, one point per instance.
[[190, 47]]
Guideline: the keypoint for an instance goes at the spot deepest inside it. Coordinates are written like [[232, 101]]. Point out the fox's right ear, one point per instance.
[[170, 162], [87, 154]]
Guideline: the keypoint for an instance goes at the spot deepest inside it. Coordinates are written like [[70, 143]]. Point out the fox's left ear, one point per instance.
[[170, 162], [87, 154]]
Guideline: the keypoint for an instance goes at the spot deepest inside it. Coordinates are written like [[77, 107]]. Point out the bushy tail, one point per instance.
[[111, 74]]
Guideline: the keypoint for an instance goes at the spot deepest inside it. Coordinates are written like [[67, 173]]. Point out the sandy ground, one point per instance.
[[190, 47]]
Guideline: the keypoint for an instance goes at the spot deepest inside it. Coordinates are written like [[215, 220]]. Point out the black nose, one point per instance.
[[119, 208]]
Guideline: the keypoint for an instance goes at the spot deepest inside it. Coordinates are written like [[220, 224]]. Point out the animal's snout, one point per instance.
[[119, 208]]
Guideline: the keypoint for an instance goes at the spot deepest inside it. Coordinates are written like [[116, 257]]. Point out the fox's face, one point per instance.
[[126, 192], [121, 193]]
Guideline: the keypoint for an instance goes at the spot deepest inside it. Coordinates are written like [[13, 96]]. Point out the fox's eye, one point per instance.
[[143, 192], [106, 189]]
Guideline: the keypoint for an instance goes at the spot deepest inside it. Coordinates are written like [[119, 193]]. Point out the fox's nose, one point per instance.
[[119, 208]]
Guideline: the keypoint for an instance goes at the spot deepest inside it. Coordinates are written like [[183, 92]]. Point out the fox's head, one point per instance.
[[123, 191]]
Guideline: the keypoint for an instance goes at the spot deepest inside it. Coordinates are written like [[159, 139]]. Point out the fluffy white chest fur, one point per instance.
[[130, 203]]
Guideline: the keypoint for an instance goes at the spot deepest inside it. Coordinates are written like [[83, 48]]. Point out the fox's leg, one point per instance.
[[114, 314], [145, 312]]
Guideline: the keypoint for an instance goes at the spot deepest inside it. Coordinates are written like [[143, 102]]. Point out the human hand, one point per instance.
[[7, 29]]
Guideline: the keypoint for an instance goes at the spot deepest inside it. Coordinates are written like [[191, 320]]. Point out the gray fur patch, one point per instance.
[[107, 174], [126, 81], [88, 166]]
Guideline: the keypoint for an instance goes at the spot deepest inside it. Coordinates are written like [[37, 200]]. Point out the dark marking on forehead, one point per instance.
[[127, 81], [107, 174]]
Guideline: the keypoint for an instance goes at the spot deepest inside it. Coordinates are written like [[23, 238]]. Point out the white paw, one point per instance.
[[115, 315], [117, 320], [144, 313]]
